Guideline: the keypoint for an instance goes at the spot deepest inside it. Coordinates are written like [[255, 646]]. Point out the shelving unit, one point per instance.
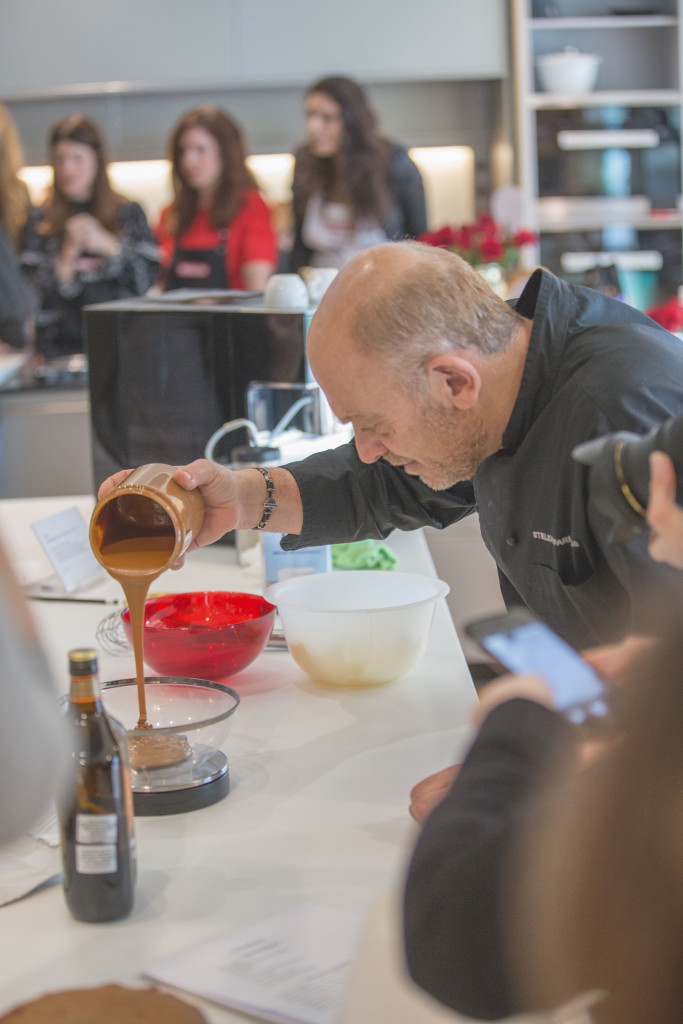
[[601, 172], [595, 21]]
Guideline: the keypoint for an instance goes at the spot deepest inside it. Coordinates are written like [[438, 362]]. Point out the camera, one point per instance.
[[620, 474]]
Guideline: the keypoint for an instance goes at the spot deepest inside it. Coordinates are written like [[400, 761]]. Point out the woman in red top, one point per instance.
[[217, 233]]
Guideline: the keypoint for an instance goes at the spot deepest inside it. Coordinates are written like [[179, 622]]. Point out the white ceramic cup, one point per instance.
[[285, 291], [318, 280]]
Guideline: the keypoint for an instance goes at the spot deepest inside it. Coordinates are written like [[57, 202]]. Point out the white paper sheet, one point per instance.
[[289, 969], [25, 864], [65, 540]]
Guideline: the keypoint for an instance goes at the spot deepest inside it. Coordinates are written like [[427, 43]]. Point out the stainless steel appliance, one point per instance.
[[166, 372]]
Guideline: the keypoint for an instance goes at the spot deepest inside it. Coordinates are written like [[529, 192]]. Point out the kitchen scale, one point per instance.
[[190, 718], [187, 786]]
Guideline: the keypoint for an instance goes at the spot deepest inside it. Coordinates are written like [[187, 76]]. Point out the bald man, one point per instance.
[[461, 402]]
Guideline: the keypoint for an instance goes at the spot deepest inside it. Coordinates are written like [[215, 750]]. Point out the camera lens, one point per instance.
[[620, 474], [633, 458]]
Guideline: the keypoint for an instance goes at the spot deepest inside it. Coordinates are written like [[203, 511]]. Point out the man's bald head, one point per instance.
[[405, 302]]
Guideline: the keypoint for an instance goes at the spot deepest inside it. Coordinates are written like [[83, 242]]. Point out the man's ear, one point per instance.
[[454, 380]]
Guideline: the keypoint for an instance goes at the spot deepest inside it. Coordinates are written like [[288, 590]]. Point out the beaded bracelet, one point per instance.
[[270, 504]]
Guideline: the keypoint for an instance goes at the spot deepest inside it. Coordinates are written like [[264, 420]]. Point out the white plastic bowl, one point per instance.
[[568, 71], [359, 628]]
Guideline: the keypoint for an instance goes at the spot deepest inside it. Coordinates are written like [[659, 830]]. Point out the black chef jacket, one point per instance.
[[595, 365]]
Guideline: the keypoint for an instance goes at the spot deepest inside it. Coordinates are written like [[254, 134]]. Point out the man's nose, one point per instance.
[[370, 449]]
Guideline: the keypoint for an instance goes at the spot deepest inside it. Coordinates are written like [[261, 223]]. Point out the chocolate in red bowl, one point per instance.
[[208, 634]]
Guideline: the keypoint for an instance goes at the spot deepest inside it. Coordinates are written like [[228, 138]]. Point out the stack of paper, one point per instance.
[[290, 969]]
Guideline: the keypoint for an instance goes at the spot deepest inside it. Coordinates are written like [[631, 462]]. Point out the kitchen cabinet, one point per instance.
[[600, 172], [379, 41], [73, 48], [161, 45], [45, 446]]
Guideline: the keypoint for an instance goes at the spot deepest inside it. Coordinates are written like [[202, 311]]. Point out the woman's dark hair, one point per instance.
[[361, 163], [235, 175], [104, 201]]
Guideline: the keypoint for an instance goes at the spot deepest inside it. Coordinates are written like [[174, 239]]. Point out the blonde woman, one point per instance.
[[15, 296]]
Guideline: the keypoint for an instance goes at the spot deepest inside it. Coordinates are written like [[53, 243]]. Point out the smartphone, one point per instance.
[[519, 642]]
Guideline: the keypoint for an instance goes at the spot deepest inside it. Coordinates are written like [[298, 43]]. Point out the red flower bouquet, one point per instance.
[[669, 314], [482, 242]]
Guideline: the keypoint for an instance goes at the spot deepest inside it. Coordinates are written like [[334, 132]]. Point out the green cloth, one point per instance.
[[363, 554]]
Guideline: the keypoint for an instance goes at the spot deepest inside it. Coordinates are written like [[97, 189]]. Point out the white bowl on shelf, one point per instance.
[[568, 71]]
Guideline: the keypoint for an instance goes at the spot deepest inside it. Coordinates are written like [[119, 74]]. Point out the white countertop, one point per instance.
[[317, 811]]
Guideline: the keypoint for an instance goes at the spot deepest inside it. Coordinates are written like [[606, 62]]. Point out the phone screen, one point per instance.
[[533, 648]]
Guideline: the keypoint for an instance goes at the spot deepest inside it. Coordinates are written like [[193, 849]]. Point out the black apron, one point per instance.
[[199, 268]]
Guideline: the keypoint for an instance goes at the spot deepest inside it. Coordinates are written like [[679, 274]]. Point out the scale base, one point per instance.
[[188, 786]]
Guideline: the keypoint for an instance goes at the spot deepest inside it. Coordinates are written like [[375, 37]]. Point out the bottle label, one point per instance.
[[96, 828], [95, 850], [95, 860]]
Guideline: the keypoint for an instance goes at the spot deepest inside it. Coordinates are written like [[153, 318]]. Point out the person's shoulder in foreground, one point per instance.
[[456, 881]]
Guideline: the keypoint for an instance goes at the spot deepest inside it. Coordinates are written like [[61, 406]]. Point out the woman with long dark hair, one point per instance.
[[352, 188], [217, 233], [88, 243]]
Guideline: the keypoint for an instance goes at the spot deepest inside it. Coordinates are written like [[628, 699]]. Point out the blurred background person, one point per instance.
[[87, 243], [33, 740], [15, 295], [551, 872], [217, 233], [352, 188]]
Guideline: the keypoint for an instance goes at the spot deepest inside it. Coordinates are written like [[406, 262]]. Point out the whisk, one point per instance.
[[111, 637]]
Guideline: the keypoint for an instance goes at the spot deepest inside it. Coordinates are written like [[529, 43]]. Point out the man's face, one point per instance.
[[439, 444]]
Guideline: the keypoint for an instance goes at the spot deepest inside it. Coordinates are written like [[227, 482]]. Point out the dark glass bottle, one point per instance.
[[96, 808]]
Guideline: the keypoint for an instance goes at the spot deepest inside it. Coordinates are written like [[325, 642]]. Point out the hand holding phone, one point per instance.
[[521, 643], [510, 686]]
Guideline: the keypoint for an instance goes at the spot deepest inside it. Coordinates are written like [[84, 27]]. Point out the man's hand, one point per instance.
[[664, 516], [220, 489], [111, 482], [425, 796], [232, 501], [510, 687], [620, 662]]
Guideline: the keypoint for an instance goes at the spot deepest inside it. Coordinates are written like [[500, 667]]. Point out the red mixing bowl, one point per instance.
[[208, 634]]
